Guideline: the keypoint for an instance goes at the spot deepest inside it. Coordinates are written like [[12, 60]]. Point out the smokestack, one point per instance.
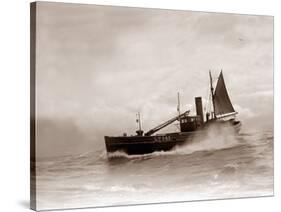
[[199, 108]]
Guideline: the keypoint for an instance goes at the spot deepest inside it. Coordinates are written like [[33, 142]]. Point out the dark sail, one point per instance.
[[222, 103]]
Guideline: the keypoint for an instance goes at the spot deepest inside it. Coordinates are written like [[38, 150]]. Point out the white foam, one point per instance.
[[216, 137]]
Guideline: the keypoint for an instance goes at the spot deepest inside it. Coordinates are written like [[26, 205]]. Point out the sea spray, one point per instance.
[[216, 136]]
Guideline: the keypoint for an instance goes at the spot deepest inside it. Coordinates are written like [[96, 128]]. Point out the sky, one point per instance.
[[97, 66]]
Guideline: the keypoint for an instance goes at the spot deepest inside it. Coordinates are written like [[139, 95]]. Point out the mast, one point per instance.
[[139, 121], [212, 93], [178, 108], [139, 131]]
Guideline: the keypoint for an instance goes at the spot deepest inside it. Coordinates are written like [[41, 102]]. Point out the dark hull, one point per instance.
[[137, 145]]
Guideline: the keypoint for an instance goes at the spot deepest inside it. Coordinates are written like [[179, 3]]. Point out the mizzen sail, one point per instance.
[[222, 103]]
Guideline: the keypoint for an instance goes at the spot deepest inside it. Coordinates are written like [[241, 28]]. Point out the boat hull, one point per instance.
[[137, 145]]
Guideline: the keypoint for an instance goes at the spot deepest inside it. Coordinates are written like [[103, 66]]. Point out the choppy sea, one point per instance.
[[215, 167]]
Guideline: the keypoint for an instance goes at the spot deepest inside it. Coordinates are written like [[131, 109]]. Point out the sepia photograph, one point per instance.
[[137, 106]]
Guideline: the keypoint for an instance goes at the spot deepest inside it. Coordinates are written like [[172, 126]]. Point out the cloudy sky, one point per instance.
[[97, 66]]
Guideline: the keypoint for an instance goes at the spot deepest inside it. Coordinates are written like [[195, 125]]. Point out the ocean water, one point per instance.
[[216, 166]]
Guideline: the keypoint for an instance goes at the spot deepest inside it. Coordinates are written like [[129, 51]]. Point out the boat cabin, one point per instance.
[[190, 123]]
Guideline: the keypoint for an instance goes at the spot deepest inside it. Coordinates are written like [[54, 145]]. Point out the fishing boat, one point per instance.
[[222, 113]]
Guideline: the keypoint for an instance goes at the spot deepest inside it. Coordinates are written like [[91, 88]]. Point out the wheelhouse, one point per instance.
[[190, 123]]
